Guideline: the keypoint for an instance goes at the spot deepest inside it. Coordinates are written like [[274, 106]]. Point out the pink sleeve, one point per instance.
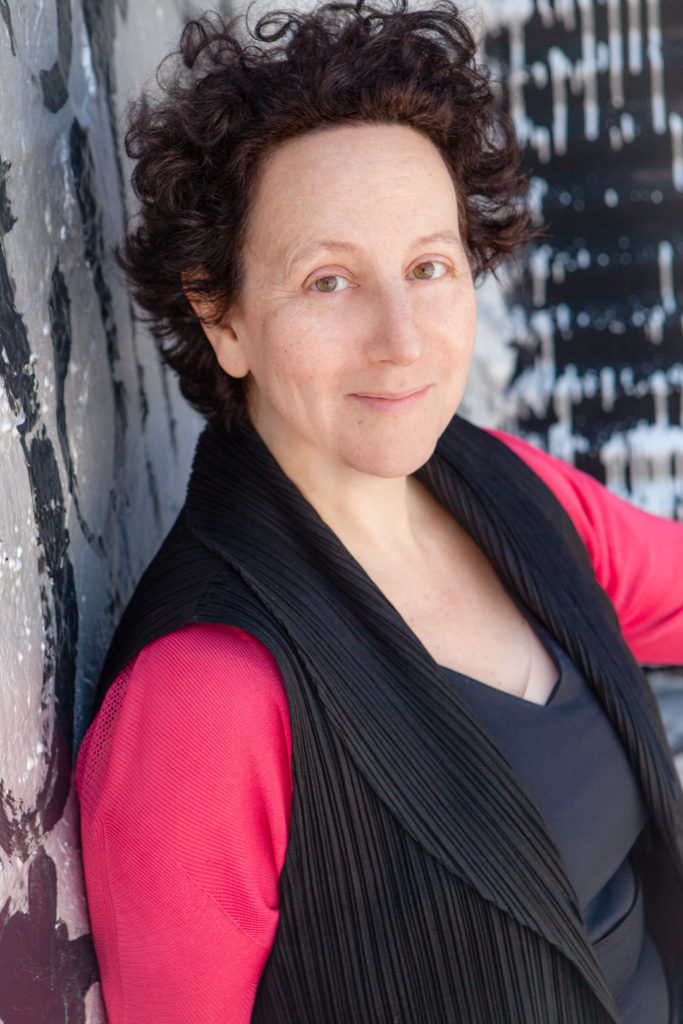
[[185, 787], [637, 557]]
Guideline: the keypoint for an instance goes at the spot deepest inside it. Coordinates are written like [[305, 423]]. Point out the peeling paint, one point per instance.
[[59, 306], [6, 16], [54, 81], [52, 973]]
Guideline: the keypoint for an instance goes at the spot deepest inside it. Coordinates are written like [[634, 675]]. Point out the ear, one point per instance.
[[224, 338]]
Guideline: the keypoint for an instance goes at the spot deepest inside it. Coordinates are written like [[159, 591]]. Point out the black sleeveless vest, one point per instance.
[[420, 885]]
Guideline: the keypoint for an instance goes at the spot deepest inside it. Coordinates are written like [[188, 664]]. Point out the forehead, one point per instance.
[[353, 182]]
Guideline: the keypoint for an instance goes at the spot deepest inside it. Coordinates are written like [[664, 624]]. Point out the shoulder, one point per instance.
[[204, 697], [207, 665], [203, 669]]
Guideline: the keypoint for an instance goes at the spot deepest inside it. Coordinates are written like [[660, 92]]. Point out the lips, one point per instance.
[[392, 400]]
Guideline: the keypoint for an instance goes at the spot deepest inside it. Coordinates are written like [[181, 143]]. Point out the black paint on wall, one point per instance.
[[54, 82], [6, 16], [83, 170], [15, 353], [61, 639], [55, 92], [59, 308], [45, 975], [6, 218], [100, 22], [172, 424], [20, 831]]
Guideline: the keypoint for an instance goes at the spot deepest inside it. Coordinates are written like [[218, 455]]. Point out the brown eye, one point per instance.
[[428, 270], [331, 283], [424, 271]]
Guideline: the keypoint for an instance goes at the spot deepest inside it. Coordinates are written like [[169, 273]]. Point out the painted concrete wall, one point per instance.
[[95, 445], [94, 449]]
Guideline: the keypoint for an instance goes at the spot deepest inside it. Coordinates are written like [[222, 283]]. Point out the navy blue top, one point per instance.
[[571, 762]]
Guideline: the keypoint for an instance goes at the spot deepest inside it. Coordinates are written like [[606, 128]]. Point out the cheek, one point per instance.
[[290, 378], [308, 359]]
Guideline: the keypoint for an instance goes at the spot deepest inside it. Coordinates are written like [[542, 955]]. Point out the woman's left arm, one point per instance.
[[637, 557]]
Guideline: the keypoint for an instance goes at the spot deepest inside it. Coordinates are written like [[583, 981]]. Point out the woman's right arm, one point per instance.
[[185, 787]]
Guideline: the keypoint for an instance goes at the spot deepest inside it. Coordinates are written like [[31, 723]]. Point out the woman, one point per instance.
[[371, 744]]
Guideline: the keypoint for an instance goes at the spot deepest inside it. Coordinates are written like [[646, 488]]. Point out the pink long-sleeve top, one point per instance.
[[185, 782]]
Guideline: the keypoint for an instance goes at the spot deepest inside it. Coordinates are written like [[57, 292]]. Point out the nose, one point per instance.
[[396, 337]]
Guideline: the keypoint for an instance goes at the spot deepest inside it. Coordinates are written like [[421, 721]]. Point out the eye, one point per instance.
[[330, 283], [428, 270]]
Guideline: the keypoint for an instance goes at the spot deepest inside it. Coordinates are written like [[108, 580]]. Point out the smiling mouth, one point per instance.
[[392, 401]]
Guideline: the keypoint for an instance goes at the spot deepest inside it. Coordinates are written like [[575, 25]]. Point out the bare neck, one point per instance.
[[368, 512]]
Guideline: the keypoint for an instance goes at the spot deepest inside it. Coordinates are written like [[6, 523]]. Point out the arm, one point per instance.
[[185, 788], [637, 557]]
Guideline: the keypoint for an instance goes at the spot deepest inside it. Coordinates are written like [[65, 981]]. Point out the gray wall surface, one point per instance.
[[95, 444], [94, 448]]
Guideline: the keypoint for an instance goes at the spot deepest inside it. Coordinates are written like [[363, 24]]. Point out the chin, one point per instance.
[[396, 461]]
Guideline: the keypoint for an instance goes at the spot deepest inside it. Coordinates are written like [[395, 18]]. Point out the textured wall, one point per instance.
[[596, 89], [94, 452], [95, 446]]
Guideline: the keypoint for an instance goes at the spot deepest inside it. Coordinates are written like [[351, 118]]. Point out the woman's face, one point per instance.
[[356, 319]]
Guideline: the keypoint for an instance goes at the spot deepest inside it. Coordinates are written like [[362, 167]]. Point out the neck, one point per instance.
[[361, 509]]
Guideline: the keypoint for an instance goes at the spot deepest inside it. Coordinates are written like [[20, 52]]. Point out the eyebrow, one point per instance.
[[452, 237], [319, 243]]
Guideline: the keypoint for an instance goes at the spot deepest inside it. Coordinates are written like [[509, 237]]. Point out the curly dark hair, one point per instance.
[[232, 93]]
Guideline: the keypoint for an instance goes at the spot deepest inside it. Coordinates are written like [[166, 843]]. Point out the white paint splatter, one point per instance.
[[583, 258], [616, 53], [655, 462], [659, 388], [563, 315], [608, 388], [545, 12], [628, 128], [567, 393], [656, 62], [518, 78], [87, 66], [539, 267], [676, 130], [508, 12], [559, 267], [566, 12], [560, 69], [635, 38], [591, 110], [616, 141], [614, 457], [539, 73], [654, 328], [665, 259], [538, 189], [543, 327]]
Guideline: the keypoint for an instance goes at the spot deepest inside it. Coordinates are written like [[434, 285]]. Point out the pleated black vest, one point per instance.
[[421, 885]]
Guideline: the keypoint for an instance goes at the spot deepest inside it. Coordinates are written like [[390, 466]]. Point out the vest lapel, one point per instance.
[[401, 720]]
